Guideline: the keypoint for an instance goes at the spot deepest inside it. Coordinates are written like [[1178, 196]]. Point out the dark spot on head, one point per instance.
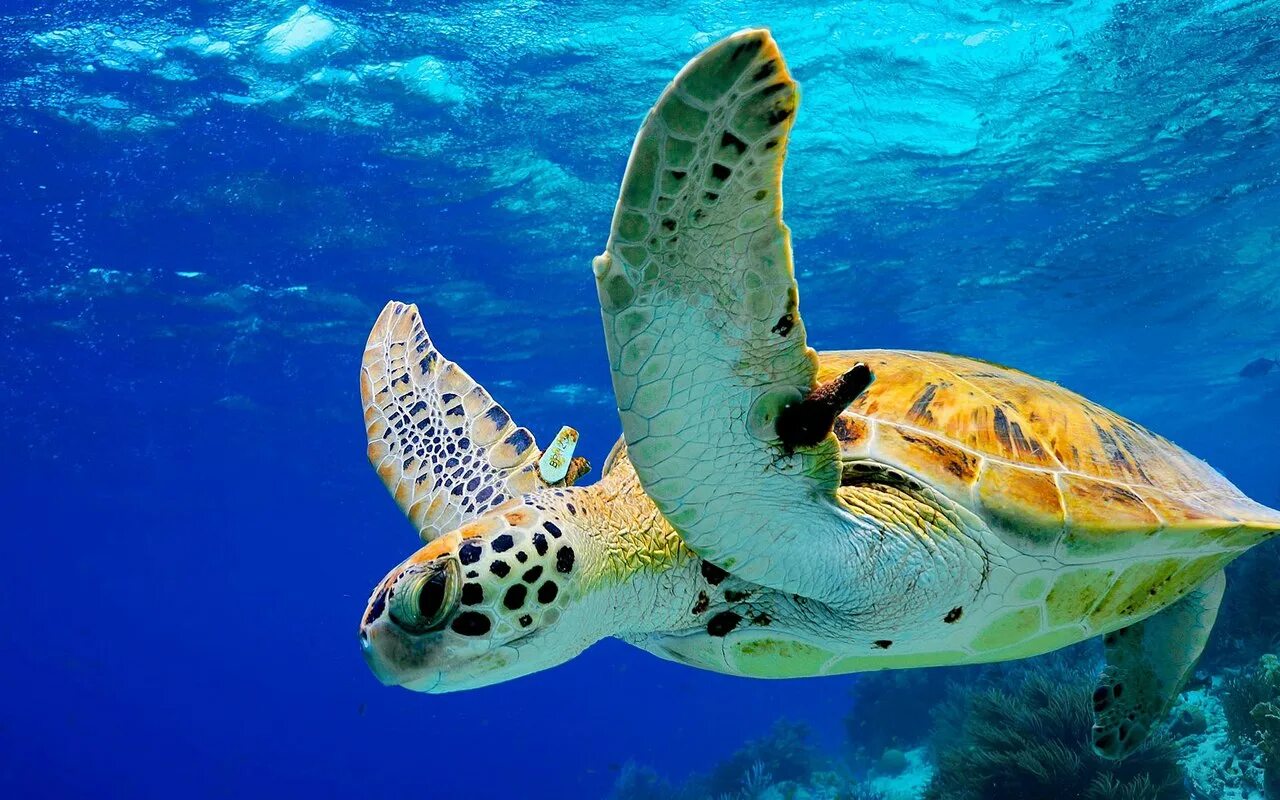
[[702, 604], [471, 623], [710, 197], [503, 543], [720, 172], [722, 623], [540, 544], [469, 553], [772, 143], [547, 592], [572, 509], [766, 69], [532, 574], [762, 194], [883, 644], [1118, 689], [734, 596], [514, 598], [761, 619], [500, 568], [521, 556], [552, 529], [526, 621], [471, 573], [669, 224], [564, 560], [712, 573], [678, 174], [773, 89], [953, 615], [472, 594], [1105, 742], [784, 325]]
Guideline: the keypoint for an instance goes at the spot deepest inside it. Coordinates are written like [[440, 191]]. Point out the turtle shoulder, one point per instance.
[[1037, 461]]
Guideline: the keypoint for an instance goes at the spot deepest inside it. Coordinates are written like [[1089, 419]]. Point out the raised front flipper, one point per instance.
[[705, 339], [445, 450], [1147, 665]]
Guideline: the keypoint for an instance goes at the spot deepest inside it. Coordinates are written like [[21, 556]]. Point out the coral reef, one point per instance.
[[894, 709], [1020, 730], [1251, 706], [785, 754], [781, 765], [1007, 731], [639, 782], [1027, 739], [1219, 766], [900, 775]]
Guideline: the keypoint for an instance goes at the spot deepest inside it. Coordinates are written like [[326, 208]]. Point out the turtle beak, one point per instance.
[[381, 670], [395, 658]]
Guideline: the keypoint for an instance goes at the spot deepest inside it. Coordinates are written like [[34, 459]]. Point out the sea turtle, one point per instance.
[[771, 511]]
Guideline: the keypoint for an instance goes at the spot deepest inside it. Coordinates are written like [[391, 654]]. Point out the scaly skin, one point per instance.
[[583, 563], [631, 576], [937, 588]]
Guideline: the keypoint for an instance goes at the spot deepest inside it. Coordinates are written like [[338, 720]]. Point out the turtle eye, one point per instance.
[[426, 599]]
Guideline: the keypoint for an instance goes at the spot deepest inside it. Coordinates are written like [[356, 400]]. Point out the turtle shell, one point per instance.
[[1048, 470]]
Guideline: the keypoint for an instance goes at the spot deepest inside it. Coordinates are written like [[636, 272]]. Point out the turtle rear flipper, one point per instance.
[[704, 334], [1147, 664], [444, 448]]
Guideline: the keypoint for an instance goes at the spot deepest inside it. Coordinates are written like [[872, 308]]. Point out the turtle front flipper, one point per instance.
[[1147, 664], [444, 448], [703, 329]]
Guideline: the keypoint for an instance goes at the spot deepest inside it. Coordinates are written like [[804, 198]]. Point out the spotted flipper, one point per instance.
[[703, 329], [446, 451], [1147, 665]]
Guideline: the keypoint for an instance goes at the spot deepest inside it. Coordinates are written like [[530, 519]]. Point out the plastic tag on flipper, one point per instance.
[[554, 464]]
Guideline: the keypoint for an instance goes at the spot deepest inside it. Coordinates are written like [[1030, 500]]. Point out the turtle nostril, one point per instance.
[[364, 637]]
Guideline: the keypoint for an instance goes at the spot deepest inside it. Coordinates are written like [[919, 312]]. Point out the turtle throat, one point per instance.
[[633, 564]]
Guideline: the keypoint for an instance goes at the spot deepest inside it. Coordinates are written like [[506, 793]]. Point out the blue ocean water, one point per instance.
[[201, 213]]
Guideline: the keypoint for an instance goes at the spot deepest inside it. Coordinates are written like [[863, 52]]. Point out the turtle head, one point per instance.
[[498, 598]]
